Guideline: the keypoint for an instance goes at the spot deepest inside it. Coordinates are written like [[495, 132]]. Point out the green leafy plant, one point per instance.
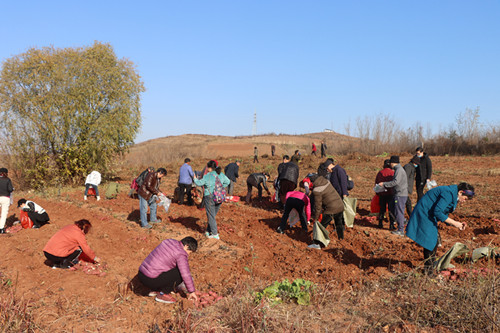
[[286, 291]]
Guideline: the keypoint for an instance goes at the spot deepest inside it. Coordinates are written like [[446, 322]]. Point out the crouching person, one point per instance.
[[63, 250], [166, 270], [35, 212]]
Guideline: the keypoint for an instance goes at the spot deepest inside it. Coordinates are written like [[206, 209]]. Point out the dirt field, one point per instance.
[[250, 251]]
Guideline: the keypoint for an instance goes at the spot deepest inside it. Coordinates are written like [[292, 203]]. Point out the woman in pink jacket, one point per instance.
[[166, 269], [299, 201]]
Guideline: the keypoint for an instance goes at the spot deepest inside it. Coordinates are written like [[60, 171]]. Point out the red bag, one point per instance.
[[375, 205], [91, 191], [25, 220]]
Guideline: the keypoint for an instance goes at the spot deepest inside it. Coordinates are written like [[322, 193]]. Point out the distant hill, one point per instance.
[[171, 148]]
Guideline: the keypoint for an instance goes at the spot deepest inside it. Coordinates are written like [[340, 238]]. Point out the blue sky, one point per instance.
[[303, 66]]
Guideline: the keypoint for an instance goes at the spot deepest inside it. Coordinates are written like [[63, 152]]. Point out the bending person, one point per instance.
[[35, 212], [257, 180], [435, 206], [300, 202], [166, 269], [66, 246]]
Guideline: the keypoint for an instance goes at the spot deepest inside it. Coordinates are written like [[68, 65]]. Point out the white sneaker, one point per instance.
[[98, 198], [315, 246], [84, 197]]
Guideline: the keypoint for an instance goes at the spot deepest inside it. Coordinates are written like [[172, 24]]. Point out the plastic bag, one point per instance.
[[25, 220], [379, 189], [164, 201], [430, 184]]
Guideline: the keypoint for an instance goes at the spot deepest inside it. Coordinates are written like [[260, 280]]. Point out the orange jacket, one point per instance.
[[66, 241]]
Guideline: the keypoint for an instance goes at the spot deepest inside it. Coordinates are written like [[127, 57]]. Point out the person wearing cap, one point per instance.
[[400, 186], [385, 198], [36, 213], [231, 171], [435, 206], [6, 190], [257, 180], [410, 169], [186, 176]]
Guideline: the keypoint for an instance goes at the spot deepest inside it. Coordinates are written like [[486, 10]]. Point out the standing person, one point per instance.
[[257, 180], [299, 201], [6, 190], [323, 149], [329, 203], [314, 149], [288, 178], [208, 182], [186, 176], [255, 155], [65, 247], [231, 170], [273, 150], [148, 193], [410, 169], [423, 172], [385, 198], [295, 158], [435, 206], [166, 269], [35, 212], [93, 180], [338, 177], [400, 185]]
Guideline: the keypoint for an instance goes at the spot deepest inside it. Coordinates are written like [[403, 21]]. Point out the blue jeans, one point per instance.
[[87, 186], [211, 209], [399, 211], [143, 206]]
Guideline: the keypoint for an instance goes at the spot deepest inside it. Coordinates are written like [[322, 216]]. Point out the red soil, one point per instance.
[[250, 251]]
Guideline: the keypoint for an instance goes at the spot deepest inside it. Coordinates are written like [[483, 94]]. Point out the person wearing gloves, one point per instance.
[[166, 270], [36, 213], [257, 180], [299, 201], [6, 190], [435, 206], [327, 202], [65, 247], [93, 179], [400, 185], [148, 193], [211, 207]]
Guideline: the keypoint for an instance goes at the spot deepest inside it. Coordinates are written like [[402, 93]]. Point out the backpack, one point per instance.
[[350, 183], [219, 195], [140, 180], [112, 191]]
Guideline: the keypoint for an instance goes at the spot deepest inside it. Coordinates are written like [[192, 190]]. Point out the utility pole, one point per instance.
[[254, 128]]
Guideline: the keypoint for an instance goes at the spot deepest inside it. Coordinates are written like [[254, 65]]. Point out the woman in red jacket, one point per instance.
[[66, 246]]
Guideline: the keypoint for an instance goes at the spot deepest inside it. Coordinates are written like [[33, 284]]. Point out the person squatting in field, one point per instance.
[[257, 180], [208, 182], [36, 213], [301, 203], [63, 249], [435, 206], [400, 185], [93, 180], [6, 190], [166, 270]]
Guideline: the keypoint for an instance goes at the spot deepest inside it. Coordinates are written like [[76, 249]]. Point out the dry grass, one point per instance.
[[16, 314]]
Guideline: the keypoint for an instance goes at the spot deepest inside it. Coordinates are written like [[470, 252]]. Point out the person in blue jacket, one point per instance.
[[435, 206]]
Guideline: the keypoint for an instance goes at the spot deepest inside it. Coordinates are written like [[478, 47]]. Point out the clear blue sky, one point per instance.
[[302, 65]]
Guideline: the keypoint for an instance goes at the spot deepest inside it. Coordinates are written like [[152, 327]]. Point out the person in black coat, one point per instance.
[[288, 179], [423, 172], [6, 189], [257, 180]]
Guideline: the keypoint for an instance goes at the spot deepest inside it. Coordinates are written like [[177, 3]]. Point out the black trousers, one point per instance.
[[299, 205], [64, 262], [420, 191], [429, 258], [185, 188], [385, 202], [249, 192], [39, 219], [409, 209], [339, 223], [165, 282], [256, 158]]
